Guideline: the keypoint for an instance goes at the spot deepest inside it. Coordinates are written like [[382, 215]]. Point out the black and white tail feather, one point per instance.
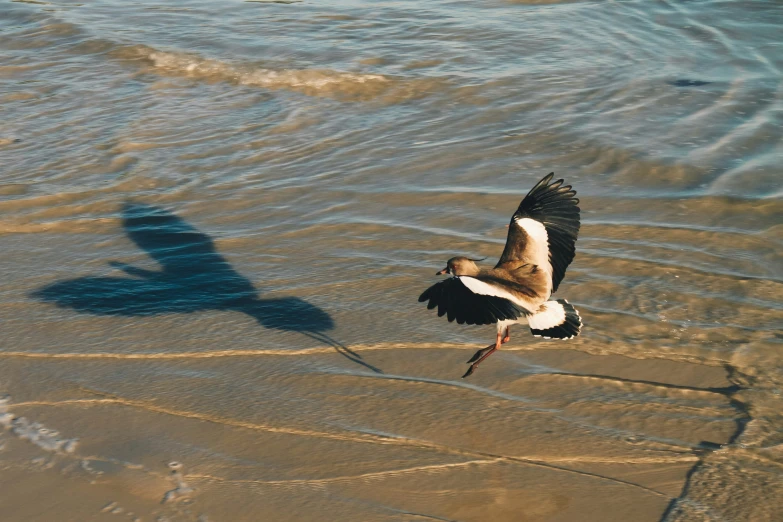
[[555, 320]]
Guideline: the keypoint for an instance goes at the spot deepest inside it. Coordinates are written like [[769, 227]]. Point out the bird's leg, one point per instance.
[[483, 354], [479, 353]]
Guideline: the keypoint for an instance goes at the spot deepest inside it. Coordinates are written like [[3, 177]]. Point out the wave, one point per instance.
[[315, 82]]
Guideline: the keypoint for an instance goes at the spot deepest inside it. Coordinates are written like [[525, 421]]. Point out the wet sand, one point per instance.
[[411, 442]]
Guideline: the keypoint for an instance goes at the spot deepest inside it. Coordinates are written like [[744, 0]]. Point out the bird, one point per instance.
[[540, 245]]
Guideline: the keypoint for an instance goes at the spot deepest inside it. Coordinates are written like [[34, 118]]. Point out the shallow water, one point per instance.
[[216, 218]]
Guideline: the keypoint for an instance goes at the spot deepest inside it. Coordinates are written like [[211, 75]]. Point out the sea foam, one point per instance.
[[35, 432]]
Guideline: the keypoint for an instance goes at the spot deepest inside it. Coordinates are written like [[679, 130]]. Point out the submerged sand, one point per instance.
[[216, 218], [334, 395], [520, 441]]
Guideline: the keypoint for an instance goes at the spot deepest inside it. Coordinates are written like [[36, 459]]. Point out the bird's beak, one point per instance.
[[444, 271]]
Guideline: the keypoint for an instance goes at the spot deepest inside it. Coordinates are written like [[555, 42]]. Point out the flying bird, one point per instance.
[[540, 246]]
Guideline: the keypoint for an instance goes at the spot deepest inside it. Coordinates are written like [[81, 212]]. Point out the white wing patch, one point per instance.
[[539, 249], [550, 314], [482, 288]]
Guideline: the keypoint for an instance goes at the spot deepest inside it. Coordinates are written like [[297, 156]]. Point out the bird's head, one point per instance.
[[460, 266]]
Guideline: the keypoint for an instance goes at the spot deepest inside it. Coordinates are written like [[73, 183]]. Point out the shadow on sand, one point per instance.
[[193, 277]]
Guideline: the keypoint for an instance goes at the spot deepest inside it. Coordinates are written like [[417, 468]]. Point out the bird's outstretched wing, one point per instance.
[[544, 229], [457, 301]]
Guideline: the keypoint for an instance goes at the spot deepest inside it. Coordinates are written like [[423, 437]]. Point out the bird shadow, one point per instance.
[[193, 277]]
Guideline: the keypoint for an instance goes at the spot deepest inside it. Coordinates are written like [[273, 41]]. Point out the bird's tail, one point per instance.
[[555, 320]]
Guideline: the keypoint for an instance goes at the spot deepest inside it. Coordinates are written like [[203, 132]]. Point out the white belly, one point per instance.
[[502, 325]]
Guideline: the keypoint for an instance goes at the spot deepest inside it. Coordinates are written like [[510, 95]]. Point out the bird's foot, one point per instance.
[[480, 356], [470, 371]]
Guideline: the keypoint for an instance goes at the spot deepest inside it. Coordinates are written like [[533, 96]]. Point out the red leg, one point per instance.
[[495, 346], [483, 354], [480, 353]]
